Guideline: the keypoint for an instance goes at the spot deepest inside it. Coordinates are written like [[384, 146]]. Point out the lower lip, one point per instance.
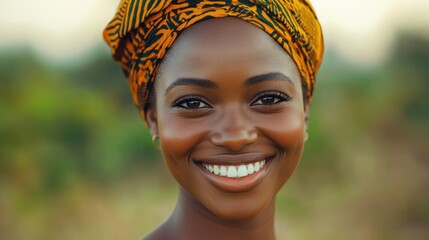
[[242, 184]]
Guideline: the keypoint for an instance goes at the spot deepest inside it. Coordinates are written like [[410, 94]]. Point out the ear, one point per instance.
[[151, 119], [307, 117]]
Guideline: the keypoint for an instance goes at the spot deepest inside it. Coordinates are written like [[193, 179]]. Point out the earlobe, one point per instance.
[[151, 120]]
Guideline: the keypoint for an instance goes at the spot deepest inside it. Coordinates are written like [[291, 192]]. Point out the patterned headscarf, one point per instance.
[[143, 30]]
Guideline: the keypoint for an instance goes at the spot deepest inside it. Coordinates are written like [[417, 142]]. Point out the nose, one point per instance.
[[234, 130]]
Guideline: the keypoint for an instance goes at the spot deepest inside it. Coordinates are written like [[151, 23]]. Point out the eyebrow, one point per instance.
[[191, 82], [212, 85], [267, 77]]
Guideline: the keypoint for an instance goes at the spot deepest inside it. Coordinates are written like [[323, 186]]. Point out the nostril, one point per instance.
[[234, 140]]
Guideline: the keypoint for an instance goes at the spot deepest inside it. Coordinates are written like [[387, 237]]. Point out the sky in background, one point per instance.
[[360, 30]]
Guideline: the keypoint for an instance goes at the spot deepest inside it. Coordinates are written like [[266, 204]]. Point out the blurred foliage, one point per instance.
[[76, 161]]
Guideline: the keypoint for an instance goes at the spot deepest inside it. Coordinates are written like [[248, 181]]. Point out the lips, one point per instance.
[[235, 173]]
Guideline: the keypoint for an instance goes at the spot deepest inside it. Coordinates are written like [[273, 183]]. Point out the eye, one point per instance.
[[191, 102], [270, 98]]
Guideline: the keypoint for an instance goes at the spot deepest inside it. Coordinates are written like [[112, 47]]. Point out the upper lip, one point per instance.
[[235, 159]]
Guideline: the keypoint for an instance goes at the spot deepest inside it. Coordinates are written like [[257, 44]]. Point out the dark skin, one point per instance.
[[227, 94]]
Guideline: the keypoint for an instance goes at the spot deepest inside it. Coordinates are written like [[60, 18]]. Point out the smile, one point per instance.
[[231, 171], [236, 173]]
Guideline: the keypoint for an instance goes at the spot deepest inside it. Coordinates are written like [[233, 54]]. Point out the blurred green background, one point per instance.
[[76, 161]]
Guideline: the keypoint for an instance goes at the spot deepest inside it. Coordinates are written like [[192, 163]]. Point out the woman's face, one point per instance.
[[230, 116]]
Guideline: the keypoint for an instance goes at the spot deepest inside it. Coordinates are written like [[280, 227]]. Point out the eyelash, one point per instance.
[[188, 99], [274, 94], [180, 103]]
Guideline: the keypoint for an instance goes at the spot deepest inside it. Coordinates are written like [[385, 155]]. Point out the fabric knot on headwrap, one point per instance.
[[143, 30]]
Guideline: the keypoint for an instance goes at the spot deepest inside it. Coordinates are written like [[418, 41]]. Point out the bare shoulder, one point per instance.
[[155, 235], [160, 233]]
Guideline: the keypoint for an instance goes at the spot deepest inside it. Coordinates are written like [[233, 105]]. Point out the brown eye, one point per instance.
[[192, 103], [270, 98]]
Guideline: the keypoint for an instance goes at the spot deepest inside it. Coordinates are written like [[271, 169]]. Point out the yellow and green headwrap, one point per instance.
[[143, 30]]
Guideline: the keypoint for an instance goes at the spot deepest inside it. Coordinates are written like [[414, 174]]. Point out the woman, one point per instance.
[[225, 87]]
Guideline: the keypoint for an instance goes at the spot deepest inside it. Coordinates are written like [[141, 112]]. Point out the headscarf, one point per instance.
[[142, 31]]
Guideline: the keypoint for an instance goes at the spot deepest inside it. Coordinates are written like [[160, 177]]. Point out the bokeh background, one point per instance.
[[76, 161]]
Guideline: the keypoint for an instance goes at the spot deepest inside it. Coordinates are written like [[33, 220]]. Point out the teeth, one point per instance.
[[231, 171], [223, 171], [250, 169], [242, 171], [257, 166], [216, 169]]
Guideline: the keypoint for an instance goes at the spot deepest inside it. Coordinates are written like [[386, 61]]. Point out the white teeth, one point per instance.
[[223, 171], [242, 171], [257, 167], [216, 169], [231, 171], [250, 169]]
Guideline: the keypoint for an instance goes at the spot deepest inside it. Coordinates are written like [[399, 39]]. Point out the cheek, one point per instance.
[[287, 131], [178, 136]]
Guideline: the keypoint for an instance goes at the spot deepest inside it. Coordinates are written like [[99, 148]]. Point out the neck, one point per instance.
[[191, 220]]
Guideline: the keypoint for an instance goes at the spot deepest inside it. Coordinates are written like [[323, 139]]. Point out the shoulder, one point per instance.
[[160, 233]]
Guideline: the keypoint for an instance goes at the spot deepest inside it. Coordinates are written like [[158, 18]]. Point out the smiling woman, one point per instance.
[[228, 102]]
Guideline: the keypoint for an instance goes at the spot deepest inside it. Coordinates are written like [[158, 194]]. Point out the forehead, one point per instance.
[[228, 46]]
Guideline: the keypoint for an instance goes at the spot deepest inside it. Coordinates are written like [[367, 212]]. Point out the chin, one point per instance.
[[238, 206]]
